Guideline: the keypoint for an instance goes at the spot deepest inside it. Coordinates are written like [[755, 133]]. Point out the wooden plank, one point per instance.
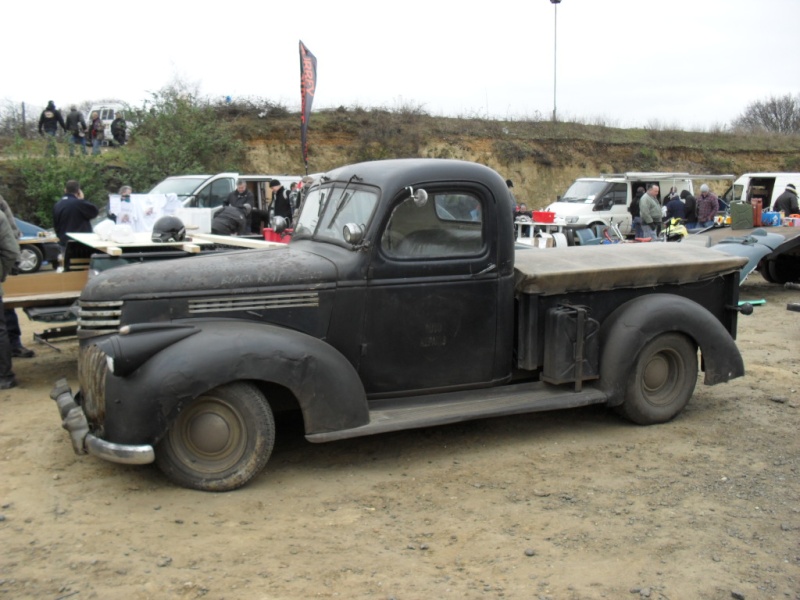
[[232, 240], [43, 288]]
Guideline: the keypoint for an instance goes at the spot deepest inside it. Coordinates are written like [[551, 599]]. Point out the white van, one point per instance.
[[591, 201], [209, 191], [765, 186]]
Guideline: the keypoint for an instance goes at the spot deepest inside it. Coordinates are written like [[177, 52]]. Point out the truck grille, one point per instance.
[[99, 317], [239, 303]]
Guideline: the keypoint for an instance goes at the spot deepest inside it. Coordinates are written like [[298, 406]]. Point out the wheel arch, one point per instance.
[[325, 385], [631, 326]]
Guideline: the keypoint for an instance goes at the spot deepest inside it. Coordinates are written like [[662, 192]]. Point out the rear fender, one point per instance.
[[626, 331], [326, 386]]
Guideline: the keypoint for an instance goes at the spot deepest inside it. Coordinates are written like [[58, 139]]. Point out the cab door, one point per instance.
[[215, 190], [431, 299]]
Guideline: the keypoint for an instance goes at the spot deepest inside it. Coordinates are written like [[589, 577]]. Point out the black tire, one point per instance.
[[763, 268], [220, 441], [784, 269], [662, 380], [30, 258]]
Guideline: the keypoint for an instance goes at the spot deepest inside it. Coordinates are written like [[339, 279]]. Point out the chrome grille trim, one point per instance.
[[92, 368], [260, 302], [99, 316]]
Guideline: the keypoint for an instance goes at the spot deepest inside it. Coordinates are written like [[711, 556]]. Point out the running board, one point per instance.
[[455, 407]]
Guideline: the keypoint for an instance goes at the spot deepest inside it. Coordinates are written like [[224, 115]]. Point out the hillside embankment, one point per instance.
[[542, 159]]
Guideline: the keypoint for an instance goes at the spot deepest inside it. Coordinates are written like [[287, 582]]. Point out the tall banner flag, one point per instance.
[[308, 86]]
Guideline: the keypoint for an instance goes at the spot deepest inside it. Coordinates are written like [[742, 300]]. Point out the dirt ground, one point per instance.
[[572, 504]]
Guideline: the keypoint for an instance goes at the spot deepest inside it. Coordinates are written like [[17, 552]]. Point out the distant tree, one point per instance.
[[178, 132], [17, 119], [776, 114]]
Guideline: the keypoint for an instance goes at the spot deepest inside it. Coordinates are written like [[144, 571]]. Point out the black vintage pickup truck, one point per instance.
[[401, 302]]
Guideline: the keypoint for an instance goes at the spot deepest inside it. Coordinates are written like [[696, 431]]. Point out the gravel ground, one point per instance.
[[573, 504]]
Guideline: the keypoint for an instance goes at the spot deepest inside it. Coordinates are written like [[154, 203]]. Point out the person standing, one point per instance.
[[650, 211], [49, 121], [280, 202], [676, 209], [787, 201], [10, 314], [97, 132], [636, 218], [118, 129], [9, 255], [242, 199], [72, 214], [707, 207], [76, 126], [689, 209]]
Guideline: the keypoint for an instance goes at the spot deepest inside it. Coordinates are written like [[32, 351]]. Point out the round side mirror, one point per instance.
[[353, 233], [420, 197]]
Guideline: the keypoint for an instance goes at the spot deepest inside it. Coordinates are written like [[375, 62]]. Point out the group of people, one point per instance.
[[239, 215], [649, 212], [78, 131]]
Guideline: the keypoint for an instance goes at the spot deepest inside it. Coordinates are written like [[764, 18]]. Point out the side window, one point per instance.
[[449, 224], [213, 194], [616, 194]]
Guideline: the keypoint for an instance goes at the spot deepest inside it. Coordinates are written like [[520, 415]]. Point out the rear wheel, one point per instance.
[[30, 258], [220, 441], [662, 380]]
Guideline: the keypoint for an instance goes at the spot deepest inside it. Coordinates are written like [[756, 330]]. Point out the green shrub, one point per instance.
[[44, 180], [176, 134]]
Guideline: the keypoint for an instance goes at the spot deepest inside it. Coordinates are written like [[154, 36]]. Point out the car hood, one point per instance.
[[237, 271]]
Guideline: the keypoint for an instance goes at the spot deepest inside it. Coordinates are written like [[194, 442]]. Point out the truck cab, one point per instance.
[[401, 302]]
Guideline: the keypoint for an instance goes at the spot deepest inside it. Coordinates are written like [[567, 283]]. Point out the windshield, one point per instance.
[[326, 210], [583, 191], [182, 186]]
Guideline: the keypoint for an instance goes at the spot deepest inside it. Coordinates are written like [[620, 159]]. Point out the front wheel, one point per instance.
[[30, 258], [220, 441], [662, 380]]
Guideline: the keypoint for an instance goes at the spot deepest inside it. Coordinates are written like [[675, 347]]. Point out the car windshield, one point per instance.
[[583, 191], [182, 186], [326, 210]]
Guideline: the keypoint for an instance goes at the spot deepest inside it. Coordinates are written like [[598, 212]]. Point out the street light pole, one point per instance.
[[555, 4]]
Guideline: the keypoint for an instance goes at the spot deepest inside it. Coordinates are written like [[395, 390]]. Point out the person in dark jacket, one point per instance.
[[636, 221], [76, 126], [787, 201], [280, 202], [676, 209], [118, 129], [689, 209], [229, 221], [49, 121], [97, 132], [72, 214]]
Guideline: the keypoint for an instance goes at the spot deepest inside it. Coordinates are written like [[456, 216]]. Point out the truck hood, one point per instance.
[[236, 271]]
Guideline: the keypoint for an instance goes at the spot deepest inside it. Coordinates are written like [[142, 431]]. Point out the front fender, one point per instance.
[[140, 406], [626, 331]]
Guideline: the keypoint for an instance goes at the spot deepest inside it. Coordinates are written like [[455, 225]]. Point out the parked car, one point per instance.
[[37, 246]]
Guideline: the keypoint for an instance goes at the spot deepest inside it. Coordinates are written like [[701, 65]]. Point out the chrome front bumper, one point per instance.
[[83, 442]]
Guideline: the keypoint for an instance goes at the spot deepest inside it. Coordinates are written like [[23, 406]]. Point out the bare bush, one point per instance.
[[777, 114]]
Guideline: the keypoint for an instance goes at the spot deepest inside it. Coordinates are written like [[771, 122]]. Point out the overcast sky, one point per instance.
[[628, 63]]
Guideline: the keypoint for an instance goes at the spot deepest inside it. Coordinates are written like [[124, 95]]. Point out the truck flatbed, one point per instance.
[[613, 266]]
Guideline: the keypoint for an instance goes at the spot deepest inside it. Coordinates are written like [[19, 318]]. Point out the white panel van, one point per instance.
[[591, 201], [766, 186]]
